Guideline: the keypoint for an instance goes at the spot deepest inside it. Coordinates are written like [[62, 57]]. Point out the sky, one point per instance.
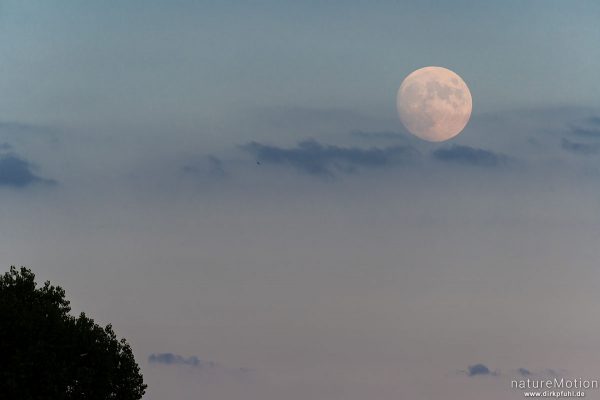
[[229, 185]]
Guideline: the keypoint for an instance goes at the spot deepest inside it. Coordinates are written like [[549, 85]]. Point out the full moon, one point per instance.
[[434, 103]]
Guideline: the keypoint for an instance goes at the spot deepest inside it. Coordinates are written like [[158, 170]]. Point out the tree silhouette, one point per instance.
[[46, 353]]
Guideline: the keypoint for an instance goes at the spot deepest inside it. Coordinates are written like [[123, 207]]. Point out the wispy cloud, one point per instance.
[[209, 166], [314, 158], [194, 363], [580, 148], [478, 370], [586, 132], [588, 127], [17, 172], [467, 155], [176, 359], [524, 372], [548, 372], [594, 120]]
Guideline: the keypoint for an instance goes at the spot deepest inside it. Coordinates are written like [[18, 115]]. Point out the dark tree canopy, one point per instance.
[[46, 353]]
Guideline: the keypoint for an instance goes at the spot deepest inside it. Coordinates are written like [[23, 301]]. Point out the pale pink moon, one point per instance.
[[434, 103]]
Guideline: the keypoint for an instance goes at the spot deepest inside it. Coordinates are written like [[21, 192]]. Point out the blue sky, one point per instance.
[[189, 61], [228, 183]]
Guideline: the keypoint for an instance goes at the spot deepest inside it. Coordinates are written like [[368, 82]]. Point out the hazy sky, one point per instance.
[[229, 185]]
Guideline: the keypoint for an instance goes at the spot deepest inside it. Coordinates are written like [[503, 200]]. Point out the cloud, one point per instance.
[[16, 172], [594, 120], [194, 363], [23, 132], [313, 158], [588, 127], [580, 148], [175, 359], [586, 132], [478, 370], [19, 127], [469, 156], [209, 166], [524, 372]]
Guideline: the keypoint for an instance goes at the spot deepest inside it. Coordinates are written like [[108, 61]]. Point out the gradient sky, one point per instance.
[[229, 185]]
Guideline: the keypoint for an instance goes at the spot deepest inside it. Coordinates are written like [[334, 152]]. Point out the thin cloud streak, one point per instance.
[[314, 158]]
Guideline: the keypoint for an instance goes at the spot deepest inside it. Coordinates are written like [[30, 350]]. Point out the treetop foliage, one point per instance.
[[47, 353]]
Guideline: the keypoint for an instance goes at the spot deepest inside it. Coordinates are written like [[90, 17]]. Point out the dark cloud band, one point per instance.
[[314, 158], [175, 359], [470, 156], [16, 172]]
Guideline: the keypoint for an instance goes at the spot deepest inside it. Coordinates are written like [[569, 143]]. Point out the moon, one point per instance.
[[434, 103]]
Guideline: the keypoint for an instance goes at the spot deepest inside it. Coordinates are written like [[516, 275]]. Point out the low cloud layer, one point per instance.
[[585, 149], [314, 158], [524, 372], [205, 369], [477, 370], [16, 172], [586, 132], [588, 128], [548, 372], [176, 359], [467, 155]]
